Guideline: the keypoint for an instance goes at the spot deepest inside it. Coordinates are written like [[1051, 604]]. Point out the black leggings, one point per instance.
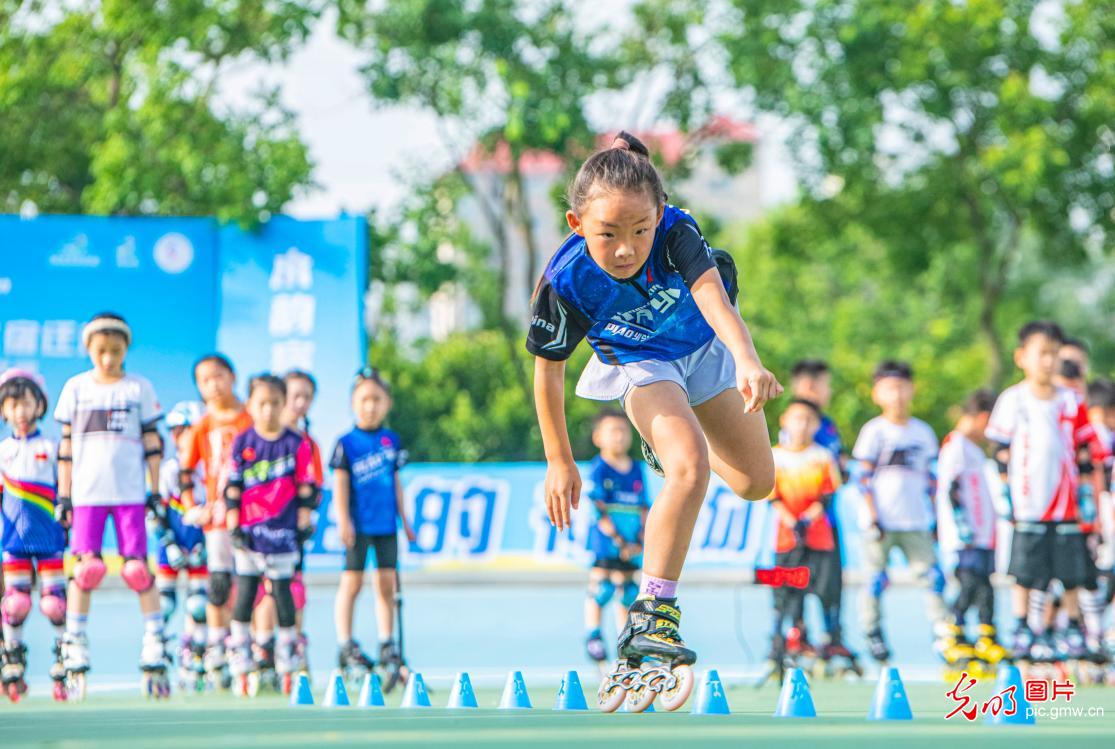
[[975, 590], [246, 588]]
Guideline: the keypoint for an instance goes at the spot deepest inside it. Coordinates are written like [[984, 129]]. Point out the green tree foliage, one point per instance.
[[109, 107], [959, 132]]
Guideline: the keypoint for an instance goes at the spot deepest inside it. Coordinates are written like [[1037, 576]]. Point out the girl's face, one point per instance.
[[265, 405], [21, 413], [370, 404], [299, 398], [612, 435], [107, 351], [618, 228], [214, 382]]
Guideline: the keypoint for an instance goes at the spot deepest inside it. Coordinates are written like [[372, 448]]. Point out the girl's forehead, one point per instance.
[[620, 207]]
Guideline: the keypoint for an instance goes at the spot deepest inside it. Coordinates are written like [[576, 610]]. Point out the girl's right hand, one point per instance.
[[563, 489], [346, 532]]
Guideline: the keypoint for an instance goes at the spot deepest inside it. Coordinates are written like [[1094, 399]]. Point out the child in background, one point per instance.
[[1042, 439], [109, 438], [1101, 544], [896, 452], [33, 540], [965, 505], [210, 449], [806, 476], [269, 495], [182, 549], [301, 390], [619, 497], [368, 502]]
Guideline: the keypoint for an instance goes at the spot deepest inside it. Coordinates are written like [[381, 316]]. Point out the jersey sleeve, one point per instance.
[[1001, 425], [402, 457], [867, 445], [64, 409], [149, 409], [168, 480], [596, 475], [687, 252], [339, 461], [556, 327], [950, 463]]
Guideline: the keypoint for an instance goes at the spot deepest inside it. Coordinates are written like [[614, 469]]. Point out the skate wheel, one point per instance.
[[287, 683], [610, 695], [13, 691], [77, 687], [253, 684], [639, 698], [59, 692], [676, 695]]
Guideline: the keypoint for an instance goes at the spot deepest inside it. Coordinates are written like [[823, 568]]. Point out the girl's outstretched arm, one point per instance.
[[563, 480], [755, 382]]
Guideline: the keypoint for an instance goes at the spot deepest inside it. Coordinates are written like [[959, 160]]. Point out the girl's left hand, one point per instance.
[[756, 384]]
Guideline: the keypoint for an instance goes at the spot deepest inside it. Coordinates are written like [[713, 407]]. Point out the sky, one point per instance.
[[364, 155]]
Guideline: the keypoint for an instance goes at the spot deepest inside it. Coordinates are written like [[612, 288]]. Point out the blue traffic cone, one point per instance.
[[514, 693], [462, 694], [570, 696], [795, 701], [371, 693], [415, 694], [302, 694], [1009, 676], [890, 701], [335, 693], [711, 698]]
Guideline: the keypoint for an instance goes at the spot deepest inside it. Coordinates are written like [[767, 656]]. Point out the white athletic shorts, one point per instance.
[[704, 374], [271, 566], [218, 550]]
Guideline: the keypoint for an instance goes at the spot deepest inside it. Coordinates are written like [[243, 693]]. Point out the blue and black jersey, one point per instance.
[[651, 315]]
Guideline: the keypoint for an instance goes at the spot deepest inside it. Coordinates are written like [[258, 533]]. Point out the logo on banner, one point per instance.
[[174, 253], [455, 518]]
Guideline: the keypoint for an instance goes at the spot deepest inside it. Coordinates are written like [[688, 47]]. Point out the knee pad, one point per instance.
[[168, 603], [601, 591], [936, 579], [137, 575], [16, 606], [220, 585], [89, 572], [879, 583], [195, 606], [630, 593], [298, 591], [53, 607]]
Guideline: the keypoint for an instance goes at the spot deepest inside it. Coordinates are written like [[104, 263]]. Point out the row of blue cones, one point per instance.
[[795, 700]]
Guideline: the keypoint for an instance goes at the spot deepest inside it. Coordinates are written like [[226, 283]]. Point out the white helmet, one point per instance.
[[184, 414]]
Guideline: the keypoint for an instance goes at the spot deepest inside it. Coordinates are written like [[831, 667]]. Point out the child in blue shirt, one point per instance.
[[619, 497], [368, 501]]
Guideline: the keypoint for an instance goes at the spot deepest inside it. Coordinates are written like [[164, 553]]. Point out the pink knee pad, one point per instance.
[[88, 573], [16, 605], [53, 608], [298, 590], [136, 575]]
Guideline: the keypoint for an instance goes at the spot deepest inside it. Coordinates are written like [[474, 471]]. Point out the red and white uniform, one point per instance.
[[1044, 436], [962, 462]]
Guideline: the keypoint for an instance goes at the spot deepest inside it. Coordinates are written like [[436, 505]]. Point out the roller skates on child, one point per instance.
[[74, 652], [242, 668], [353, 662], [596, 651], [14, 660], [154, 663], [191, 667], [653, 661], [266, 670], [289, 662], [877, 647], [394, 667], [958, 654], [836, 661], [217, 675]]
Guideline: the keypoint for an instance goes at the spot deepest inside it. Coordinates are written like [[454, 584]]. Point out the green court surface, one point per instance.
[[213, 721]]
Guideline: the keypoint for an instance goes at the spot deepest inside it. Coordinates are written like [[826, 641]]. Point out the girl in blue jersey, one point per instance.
[[637, 279]]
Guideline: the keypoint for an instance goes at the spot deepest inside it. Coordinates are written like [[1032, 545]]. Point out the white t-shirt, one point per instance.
[[962, 461], [1043, 436], [106, 422], [902, 455]]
